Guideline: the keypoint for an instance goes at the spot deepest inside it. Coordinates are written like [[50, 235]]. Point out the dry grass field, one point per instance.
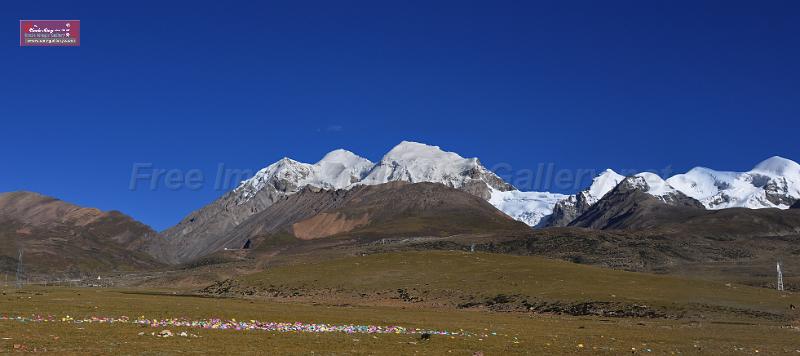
[[695, 317]]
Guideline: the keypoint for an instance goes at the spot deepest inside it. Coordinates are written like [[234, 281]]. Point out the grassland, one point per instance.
[[440, 278], [719, 319]]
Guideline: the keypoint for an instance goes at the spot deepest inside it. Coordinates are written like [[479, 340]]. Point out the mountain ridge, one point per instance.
[[566, 210], [772, 183], [632, 202], [417, 162], [408, 161], [57, 236]]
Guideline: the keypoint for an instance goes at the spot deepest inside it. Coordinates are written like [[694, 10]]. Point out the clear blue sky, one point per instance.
[[582, 84]]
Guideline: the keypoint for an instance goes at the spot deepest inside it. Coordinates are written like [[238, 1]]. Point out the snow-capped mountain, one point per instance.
[[339, 169], [773, 183], [656, 186], [569, 208], [416, 162], [636, 202], [408, 161], [601, 185], [204, 227]]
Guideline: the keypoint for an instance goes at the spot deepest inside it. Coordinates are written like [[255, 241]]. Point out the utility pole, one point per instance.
[[20, 270], [780, 277]]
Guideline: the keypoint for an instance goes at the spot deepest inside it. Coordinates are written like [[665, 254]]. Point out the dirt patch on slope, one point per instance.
[[326, 224]]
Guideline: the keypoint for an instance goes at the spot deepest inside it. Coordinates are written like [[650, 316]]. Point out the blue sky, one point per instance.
[[580, 84]]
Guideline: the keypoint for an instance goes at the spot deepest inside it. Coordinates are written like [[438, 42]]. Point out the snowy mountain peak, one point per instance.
[[778, 166], [339, 169], [343, 156], [282, 174], [654, 184], [657, 187], [570, 207], [285, 167], [417, 162], [408, 161], [415, 151], [602, 184], [282, 164], [773, 183]]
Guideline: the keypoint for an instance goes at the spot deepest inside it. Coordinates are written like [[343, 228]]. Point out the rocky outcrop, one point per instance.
[[567, 210]]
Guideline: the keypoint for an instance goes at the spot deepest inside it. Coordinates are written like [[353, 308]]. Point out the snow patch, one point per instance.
[[532, 208], [656, 186]]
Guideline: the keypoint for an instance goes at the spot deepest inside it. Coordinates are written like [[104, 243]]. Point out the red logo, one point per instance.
[[49, 33]]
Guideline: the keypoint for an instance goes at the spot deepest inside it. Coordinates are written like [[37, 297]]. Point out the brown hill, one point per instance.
[[59, 237]]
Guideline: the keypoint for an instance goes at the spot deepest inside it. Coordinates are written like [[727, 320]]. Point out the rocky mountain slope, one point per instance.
[[729, 244], [772, 183], [59, 237], [569, 208], [408, 162], [395, 209], [636, 202], [337, 170]]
